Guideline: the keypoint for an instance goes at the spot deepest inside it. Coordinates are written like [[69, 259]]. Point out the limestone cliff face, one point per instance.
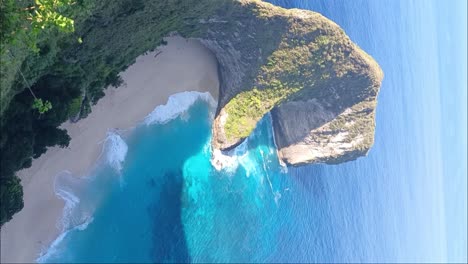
[[318, 134], [319, 86]]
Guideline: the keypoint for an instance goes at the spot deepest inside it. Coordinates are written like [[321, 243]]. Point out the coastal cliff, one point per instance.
[[319, 86]]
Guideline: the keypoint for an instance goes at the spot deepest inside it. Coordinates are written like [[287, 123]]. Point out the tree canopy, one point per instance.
[[57, 57]]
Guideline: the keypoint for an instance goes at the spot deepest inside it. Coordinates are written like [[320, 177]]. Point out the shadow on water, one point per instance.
[[168, 235], [175, 144], [311, 179]]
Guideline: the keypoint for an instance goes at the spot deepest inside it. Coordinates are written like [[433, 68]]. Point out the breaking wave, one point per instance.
[[115, 149], [176, 105], [83, 194]]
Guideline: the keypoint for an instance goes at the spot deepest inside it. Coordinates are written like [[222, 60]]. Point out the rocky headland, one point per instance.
[[319, 86]]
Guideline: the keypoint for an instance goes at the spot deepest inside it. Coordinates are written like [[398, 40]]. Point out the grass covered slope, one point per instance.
[[312, 59], [267, 56]]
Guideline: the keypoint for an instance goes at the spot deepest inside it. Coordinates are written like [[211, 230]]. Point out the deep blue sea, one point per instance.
[[154, 196]]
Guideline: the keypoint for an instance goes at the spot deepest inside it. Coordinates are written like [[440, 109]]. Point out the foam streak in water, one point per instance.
[[71, 201], [176, 105], [228, 161], [115, 150], [52, 250], [77, 216], [78, 213]]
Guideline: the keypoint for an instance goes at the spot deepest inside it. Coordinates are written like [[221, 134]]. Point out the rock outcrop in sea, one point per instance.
[[319, 86]]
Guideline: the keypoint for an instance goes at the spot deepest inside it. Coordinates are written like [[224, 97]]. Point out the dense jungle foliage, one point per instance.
[[57, 57]]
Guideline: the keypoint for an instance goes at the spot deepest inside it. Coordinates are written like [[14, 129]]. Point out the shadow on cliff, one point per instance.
[[294, 120]]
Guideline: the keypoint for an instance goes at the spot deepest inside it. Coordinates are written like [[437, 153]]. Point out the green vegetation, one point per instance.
[[11, 195], [41, 106], [75, 107], [27, 127], [26, 27], [58, 56], [312, 58], [46, 14], [66, 52], [301, 62], [247, 108]]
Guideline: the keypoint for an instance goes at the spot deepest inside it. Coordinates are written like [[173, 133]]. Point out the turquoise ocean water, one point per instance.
[[154, 195]]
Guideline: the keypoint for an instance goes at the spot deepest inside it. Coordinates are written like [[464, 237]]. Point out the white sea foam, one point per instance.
[[254, 161], [222, 161], [85, 224], [249, 165], [277, 197], [176, 105], [71, 201], [53, 248], [228, 161], [75, 216], [248, 162], [115, 150]]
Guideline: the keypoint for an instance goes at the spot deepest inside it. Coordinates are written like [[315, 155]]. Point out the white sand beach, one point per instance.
[[182, 65]]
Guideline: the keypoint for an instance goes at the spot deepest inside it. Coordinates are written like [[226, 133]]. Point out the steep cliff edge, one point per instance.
[[319, 86]]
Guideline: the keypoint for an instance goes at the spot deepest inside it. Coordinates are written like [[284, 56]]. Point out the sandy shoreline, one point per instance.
[[183, 65]]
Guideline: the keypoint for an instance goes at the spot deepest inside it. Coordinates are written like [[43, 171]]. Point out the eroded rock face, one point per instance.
[[319, 86], [334, 122], [317, 134]]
